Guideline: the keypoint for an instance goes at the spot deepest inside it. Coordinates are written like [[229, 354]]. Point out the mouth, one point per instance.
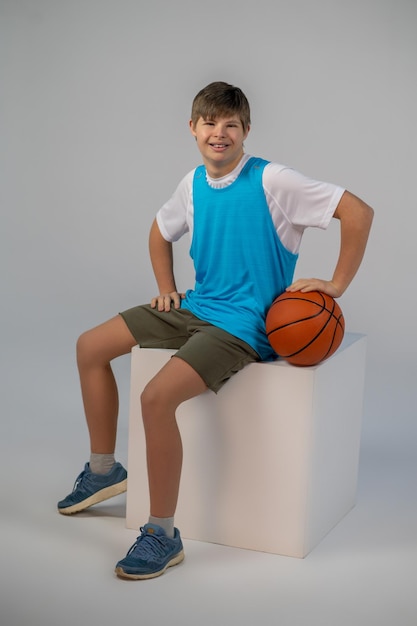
[[219, 146]]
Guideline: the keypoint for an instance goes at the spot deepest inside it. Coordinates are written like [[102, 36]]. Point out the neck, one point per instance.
[[218, 170]]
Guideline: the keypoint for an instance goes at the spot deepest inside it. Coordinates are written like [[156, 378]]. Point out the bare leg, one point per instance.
[[176, 382], [95, 349]]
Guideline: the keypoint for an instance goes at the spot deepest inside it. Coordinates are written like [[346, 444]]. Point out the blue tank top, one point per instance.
[[240, 263]]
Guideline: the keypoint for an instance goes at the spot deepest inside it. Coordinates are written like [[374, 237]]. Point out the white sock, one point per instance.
[[101, 463], [167, 523]]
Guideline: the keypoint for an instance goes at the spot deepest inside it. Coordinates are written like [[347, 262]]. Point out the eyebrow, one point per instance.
[[232, 120]]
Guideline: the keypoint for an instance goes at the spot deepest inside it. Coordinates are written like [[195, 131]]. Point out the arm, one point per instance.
[[160, 252], [355, 223]]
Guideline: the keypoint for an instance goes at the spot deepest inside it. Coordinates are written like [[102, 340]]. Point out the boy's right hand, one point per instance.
[[164, 301]]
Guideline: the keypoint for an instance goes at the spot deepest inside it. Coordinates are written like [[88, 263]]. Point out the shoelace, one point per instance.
[[149, 544], [78, 480]]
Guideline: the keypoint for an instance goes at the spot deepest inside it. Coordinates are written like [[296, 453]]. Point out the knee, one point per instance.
[[148, 400], [155, 404], [85, 349]]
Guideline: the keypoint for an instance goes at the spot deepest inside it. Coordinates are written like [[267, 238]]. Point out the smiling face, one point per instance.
[[220, 142]]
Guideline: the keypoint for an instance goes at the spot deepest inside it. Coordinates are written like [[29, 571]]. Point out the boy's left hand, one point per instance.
[[315, 284]]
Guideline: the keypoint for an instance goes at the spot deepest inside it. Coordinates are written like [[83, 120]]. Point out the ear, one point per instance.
[[246, 132], [192, 129]]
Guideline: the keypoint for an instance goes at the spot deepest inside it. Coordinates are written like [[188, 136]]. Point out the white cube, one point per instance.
[[270, 462]]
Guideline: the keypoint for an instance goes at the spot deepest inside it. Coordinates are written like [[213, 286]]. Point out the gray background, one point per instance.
[[95, 102]]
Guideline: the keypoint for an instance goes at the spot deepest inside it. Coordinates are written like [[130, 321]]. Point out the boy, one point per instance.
[[246, 218]]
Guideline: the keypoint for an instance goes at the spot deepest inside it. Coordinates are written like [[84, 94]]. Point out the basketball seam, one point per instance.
[[303, 319], [322, 308], [307, 345]]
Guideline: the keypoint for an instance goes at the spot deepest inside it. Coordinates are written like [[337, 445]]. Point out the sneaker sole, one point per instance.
[[177, 559], [99, 496]]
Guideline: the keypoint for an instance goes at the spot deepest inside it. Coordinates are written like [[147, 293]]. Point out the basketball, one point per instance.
[[305, 328]]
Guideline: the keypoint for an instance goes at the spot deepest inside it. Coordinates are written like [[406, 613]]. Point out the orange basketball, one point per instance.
[[305, 328]]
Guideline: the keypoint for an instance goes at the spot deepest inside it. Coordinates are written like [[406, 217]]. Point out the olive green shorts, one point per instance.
[[212, 352]]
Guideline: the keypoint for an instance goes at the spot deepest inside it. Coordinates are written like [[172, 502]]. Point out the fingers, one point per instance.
[[305, 285], [314, 284], [165, 301]]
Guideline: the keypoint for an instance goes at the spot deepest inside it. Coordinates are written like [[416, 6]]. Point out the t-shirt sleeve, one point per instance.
[[173, 217], [302, 200]]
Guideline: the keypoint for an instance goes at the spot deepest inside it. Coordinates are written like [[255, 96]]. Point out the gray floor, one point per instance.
[[59, 571]]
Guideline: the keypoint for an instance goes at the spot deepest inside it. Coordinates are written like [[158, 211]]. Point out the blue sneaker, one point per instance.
[[92, 488], [151, 554]]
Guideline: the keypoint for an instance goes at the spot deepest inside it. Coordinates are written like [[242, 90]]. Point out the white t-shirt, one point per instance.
[[294, 200]]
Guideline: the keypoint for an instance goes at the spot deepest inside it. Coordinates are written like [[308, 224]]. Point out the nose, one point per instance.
[[220, 131]]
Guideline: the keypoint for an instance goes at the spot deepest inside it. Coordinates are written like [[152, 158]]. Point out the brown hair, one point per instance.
[[220, 99]]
